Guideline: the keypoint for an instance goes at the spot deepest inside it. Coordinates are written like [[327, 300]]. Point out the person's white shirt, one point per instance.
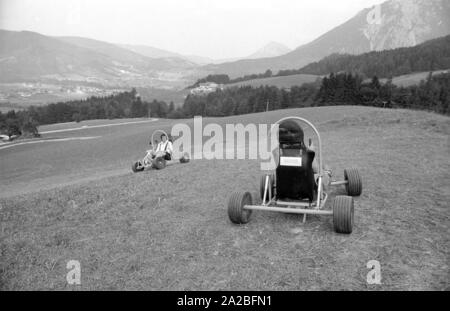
[[165, 146]]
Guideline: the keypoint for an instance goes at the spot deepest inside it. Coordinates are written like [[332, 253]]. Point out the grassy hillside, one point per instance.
[[281, 82], [169, 229], [413, 79], [106, 149], [299, 79]]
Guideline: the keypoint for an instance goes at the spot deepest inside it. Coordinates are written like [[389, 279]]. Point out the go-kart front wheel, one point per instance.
[[343, 211], [159, 163], [185, 158], [236, 211], [354, 182], [137, 167]]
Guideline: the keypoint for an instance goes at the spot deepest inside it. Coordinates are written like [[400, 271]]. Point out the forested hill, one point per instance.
[[428, 56]]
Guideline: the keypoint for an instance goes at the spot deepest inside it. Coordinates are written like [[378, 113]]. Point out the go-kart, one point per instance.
[[157, 160], [298, 186]]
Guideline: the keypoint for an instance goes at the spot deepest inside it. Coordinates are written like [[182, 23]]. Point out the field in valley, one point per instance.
[[76, 199]]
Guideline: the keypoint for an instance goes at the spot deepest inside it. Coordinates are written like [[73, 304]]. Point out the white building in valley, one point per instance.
[[205, 88]]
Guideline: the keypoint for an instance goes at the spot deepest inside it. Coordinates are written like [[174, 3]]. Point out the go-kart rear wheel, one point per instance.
[[159, 163], [137, 167], [354, 185], [185, 158], [343, 210], [236, 211], [262, 186]]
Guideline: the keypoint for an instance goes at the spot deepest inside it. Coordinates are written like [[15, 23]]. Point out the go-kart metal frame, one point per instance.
[[158, 162], [240, 203]]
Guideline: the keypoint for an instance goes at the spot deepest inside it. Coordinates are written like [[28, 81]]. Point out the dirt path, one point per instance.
[[85, 127], [39, 141]]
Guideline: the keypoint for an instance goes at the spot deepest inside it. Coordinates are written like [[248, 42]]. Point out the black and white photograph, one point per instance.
[[246, 147]]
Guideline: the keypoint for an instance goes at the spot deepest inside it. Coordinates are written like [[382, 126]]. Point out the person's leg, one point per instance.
[[148, 157]]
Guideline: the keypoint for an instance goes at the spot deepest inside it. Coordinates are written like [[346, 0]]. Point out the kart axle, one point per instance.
[[340, 182], [288, 210]]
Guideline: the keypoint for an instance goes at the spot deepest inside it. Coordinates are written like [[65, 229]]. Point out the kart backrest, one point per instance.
[[294, 173]]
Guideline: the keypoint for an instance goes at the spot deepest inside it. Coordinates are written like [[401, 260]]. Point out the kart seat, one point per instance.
[[294, 173]]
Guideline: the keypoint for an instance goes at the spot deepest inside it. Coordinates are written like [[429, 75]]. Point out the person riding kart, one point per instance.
[[164, 150]]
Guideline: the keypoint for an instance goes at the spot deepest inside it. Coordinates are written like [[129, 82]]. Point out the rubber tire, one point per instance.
[[159, 163], [185, 158], [135, 169], [262, 185], [236, 212], [343, 214], [354, 185]]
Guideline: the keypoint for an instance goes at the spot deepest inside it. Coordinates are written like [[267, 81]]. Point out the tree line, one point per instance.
[[225, 79], [432, 94]]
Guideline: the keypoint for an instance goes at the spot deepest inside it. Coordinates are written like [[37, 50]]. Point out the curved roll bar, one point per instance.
[[315, 131], [319, 191]]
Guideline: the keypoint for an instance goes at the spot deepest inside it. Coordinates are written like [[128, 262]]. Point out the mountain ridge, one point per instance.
[[27, 55], [269, 50], [358, 35]]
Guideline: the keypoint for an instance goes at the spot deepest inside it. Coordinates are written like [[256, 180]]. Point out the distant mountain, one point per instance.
[[167, 62], [400, 23], [271, 49], [30, 56], [153, 52], [150, 51], [201, 60]]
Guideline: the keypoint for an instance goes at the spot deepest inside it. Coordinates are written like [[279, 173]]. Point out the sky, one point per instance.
[[209, 28]]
